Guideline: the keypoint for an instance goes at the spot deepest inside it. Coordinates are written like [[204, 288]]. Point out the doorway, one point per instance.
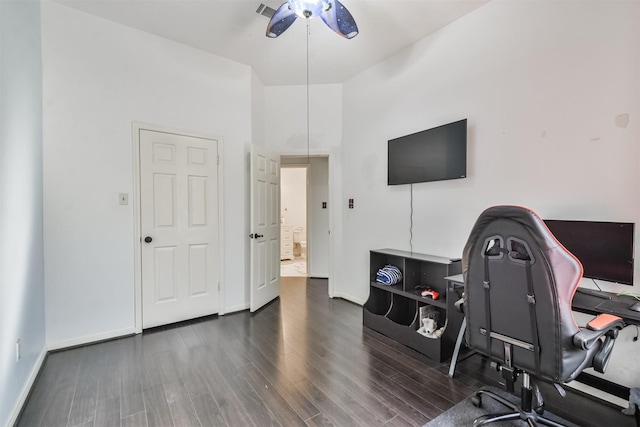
[[294, 188], [312, 240]]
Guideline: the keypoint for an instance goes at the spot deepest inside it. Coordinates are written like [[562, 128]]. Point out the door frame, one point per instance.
[[136, 128]]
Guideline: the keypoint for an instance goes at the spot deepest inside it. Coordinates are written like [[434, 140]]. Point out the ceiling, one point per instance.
[[234, 30]]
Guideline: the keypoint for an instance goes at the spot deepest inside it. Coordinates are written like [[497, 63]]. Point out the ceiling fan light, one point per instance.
[[309, 8], [332, 12]]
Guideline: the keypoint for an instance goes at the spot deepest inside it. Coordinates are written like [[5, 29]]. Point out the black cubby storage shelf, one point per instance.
[[394, 310]]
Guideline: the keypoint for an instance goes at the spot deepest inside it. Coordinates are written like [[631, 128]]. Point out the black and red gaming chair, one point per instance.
[[519, 283]]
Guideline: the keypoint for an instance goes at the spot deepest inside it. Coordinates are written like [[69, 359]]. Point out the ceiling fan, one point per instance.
[[332, 12]]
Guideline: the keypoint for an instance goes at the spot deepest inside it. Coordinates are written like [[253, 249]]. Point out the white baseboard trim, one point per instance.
[[27, 387], [236, 308], [350, 298], [89, 339]]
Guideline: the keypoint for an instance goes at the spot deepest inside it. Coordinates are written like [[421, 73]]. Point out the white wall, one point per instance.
[[99, 77], [286, 118], [544, 86], [257, 110], [21, 235]]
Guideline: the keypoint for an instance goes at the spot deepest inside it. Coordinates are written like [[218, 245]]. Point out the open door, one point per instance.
[[265, 227]]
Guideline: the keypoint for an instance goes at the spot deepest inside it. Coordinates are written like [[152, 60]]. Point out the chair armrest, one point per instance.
[[605, 321], [603, 324], [459, 305]]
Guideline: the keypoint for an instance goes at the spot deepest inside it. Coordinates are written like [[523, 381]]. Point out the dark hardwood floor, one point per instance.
[[302, 360]]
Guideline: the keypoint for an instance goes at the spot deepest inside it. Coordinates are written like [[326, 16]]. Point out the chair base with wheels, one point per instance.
[[525, 411]]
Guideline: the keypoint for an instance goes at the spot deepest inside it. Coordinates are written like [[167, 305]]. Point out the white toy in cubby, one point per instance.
[[429, 322]]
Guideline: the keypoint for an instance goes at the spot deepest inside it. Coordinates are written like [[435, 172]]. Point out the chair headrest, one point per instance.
[[529, 219]]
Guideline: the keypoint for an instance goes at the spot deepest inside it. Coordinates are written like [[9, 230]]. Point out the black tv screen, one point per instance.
[[430, 155], [605, 249]]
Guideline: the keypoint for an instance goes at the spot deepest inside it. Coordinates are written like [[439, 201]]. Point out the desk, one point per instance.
[[617, 305]]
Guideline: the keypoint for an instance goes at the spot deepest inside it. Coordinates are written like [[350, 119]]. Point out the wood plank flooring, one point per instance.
[[303, 360]]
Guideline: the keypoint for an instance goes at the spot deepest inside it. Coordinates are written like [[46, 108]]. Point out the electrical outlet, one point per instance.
[[18, 351]]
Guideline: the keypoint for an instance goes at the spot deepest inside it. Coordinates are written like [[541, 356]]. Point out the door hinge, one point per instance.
[[217, 159], [218, 286]]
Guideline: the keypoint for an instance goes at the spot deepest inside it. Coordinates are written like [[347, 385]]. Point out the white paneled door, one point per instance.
[[265, 227], [179, 227]]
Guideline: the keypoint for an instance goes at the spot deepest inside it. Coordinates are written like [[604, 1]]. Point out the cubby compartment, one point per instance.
[[433, 275], [395, 310], [412, 278], [403, 310], [429, 310], [379, 260], [379, 302]]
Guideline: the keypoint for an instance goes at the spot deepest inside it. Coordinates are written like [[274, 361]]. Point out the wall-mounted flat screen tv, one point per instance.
[[605, 249], [434, 154]]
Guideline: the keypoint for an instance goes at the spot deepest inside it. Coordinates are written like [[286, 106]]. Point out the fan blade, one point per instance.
[[339, 19], [280, 21]]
